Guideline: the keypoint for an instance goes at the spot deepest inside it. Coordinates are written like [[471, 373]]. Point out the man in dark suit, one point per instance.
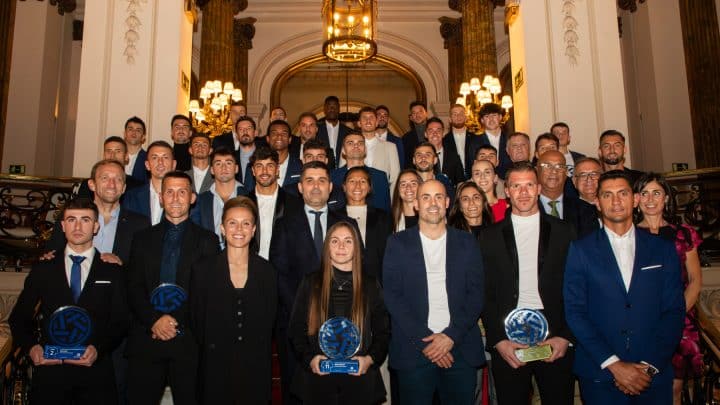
[[315, 150], [448, 162], [548, 142], [278, 137], [161, 348], [145, 200], [230, 139], [554, 199], [330, 130], [200, 169], [76, 276], [135, 135], [208, 211], [562, 131], [272, 201], [307, 130], [180, 132], [433, 289], [114, 148], [624, 303], [524, 257], [416, 135], [491, 119], [295, 250], [612, 154], [461, 141], [424, 161], [383, 116]]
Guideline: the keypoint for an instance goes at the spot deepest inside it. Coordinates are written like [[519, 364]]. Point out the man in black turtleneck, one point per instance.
[[416, 135], [180, 132]]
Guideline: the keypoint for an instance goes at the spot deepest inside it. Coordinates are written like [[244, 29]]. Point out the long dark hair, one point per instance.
[[456, 219], [669, 212], [397, 203], [320, 295]]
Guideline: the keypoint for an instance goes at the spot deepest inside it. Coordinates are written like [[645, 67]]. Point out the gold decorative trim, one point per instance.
[[511, 13]]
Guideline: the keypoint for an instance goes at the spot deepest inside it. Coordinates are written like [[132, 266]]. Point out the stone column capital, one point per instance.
[[244, 32], [451, 31]]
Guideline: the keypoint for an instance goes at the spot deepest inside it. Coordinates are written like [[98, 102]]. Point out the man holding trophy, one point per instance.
[[524, 258], [82, 301]]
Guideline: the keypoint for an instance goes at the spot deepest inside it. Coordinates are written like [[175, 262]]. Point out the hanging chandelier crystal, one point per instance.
[[475, 94], [349, 27], [213, 118]]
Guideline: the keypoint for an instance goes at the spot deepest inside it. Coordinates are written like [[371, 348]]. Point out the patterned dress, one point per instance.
[[687, 360]]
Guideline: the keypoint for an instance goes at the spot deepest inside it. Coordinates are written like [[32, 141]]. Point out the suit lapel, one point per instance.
[[187, 250], [420, 279], [510, 246], [607, 257], [544, 243], [92, 276], [152, 274], [640, 259]]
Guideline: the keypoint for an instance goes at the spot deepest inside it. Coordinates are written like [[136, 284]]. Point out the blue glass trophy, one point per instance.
[[68, 329], [168, 298], [528, 327], [339, 339]]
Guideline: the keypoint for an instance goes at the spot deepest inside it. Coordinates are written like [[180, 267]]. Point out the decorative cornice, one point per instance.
[[389, 11], [244, 32], [629, 5], [451, 31], [570, 35]]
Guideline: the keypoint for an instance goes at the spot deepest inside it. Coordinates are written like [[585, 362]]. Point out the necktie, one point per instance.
[[317, 234], [553, 209], [75, 276], [170, 254]]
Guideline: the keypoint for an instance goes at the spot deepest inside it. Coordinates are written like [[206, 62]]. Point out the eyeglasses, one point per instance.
[[585, 176], [554, 167]]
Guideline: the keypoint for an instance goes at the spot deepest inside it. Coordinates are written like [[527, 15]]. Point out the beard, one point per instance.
[[612, 161]]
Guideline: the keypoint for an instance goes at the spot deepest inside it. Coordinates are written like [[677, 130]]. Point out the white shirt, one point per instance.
[[311, 219], [545, 201], [131, 163], [266, 211], [459, 138], [156, 210], [370, 147], [434, 254], [527, 239], [494, 141], [332, 132], [198, 177], [84, 266], [359, 214], [283, 171], [218, 205], [623, 247], [382, 135]]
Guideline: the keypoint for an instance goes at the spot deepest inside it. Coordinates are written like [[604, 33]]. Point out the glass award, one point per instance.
[[167, 298], [528, 327], [339, 339], [68, 329]]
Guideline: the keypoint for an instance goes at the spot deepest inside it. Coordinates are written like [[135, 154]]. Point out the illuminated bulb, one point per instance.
[[366, 19], [228, 88], [367, 33], [487, 81], [237, 95], [506, 102], [194, 106], [465, 88], [351, 19], [336, 16], [460, 100], [475, 84]]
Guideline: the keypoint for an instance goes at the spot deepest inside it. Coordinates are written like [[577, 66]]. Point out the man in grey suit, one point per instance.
[[199, 172]]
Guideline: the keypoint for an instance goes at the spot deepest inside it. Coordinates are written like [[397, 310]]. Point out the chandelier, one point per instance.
[[474, 95], [213, 118], [349, 27]]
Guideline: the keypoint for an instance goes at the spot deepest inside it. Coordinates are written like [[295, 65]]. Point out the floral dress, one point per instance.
[[687, 360]]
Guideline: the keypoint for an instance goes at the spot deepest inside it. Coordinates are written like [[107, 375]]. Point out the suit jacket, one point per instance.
[[128, 223], [380, 195], [472, 143], [582, 215], [323, 136], [406, 297], [137, 200], [385, 160], [285, 204], [392, 138], [292, 175], [500, 257], [452, 166], [292, 252], [378, 226], [576, 155], [144, 276], [139, 171], [642, 324], [203, 214], [410, 142], [294, 149], [504, 161], [214, 322], [206, 182]]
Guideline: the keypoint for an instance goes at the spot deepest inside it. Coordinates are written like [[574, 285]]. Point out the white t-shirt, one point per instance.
[[434, 253]]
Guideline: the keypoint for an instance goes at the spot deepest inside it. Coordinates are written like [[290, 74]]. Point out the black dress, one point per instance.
[[233, 327], [340, 388]]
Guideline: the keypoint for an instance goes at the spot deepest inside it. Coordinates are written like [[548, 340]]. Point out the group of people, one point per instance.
[[426, 242]]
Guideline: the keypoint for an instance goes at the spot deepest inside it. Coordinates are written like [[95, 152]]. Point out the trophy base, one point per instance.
[[339, 366], [52, 352], [534, 353]]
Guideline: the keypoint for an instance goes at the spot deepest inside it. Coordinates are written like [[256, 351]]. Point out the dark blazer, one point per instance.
[[504, 161], [214, 323], [642, 324], [183, 160], [137, 200], [294, 170], [144, 275], [410, 142], [472, 143], [335, 202], [500, 257], [294, 149], [374, 343], [84, 191], [284, 205], [380, 195], [103, 296], [323, 136], [378, 226], [576, 155], [406, 297], [139, 171], [128, 223], [399, 145], [452, 166], [202, 213], [292, 252], [225, 140], [582, 215], [206, 183]]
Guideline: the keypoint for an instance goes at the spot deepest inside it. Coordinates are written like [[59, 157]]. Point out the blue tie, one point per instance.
[[75, 278], [317, 233]]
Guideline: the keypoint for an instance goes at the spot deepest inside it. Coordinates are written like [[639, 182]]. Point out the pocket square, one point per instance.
[[103, 282], [654, 266], [294, 176]]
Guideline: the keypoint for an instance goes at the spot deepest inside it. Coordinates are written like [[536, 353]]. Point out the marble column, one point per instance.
[[243, 33], [217, 53], [478, 37], [451, 31]]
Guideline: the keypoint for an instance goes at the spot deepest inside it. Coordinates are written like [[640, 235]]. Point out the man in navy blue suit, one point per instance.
[[433, 282], [145, 200], [624, 304], [278, 138], [330, 130], [135, 135], [491, 119]]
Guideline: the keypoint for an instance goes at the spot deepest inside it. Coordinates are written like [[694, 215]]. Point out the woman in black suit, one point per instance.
[[233, 301], [339, 289], [374, 223], [470, 210]]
